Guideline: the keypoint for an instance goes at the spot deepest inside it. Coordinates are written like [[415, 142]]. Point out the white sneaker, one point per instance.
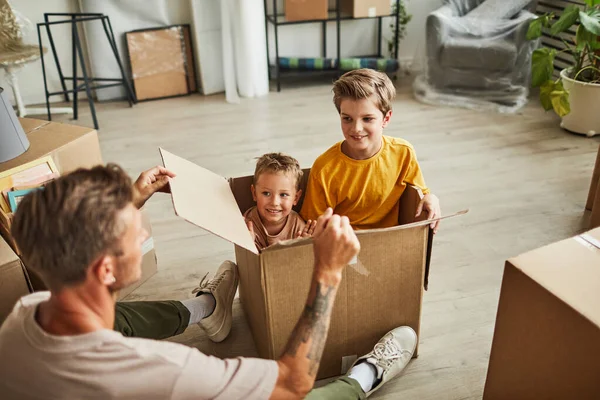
[[390, 355], [223, 287]]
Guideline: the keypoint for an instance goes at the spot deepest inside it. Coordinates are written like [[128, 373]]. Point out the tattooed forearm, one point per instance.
[[309, 336]]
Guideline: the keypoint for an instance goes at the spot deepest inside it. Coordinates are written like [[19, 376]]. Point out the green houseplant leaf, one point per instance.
[[592, 3], [545, 89], [586, 38], [534, 30], [591, 20], [560, 100], [542, 66], [566, 20]]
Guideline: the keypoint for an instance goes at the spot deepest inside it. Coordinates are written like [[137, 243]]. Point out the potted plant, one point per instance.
[[575, 95]]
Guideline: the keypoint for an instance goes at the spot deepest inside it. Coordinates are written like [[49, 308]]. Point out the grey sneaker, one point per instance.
[[223, 287], [390, 355]]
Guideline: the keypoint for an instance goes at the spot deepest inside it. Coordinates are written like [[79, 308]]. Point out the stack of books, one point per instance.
[[18, 182]]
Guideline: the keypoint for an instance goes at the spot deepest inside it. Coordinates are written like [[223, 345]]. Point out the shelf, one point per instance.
[[280, 19]]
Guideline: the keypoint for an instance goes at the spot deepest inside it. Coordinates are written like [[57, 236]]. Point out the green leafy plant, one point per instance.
[[585, 53], [403, 19]]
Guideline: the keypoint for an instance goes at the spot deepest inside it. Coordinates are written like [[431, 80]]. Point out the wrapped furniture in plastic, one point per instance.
[[478, 55]]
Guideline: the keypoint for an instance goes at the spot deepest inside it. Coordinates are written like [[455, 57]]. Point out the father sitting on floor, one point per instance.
[[82, 234]]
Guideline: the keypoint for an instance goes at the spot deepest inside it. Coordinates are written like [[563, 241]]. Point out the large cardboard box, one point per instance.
[[70, 147], [383, 290], [14, 282], [547, 338], [593, 200], [366, 8], [305, 10]]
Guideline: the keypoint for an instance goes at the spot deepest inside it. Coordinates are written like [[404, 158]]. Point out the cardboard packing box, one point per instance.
[[14, 282], [547, 338], [382, 291], [366, 8], [305, 10], [70, 147], [593, 200]]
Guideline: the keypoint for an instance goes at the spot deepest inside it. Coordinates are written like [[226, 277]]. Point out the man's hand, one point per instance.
[[151, 181], [431, 204], [335, 243], [308, 229]]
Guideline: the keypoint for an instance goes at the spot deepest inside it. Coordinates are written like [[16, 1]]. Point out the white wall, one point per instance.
[[30, 77], [206, 22], [412, 48]]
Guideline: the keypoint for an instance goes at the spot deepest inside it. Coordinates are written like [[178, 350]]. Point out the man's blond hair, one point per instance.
[[364, 83], [278, 162]]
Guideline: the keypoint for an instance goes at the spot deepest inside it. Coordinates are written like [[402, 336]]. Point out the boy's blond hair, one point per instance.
[[278, 162], [363, 83]]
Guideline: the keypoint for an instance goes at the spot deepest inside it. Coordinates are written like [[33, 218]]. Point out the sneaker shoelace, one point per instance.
[[209, 284], [386, 353]]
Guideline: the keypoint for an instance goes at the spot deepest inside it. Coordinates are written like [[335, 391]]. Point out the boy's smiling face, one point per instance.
[[275, 194], [362, 125]]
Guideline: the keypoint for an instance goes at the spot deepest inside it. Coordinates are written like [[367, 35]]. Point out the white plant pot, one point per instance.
[[584, 98]]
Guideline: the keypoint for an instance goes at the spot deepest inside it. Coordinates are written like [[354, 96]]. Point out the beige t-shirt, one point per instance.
[[262, 239], [106, 365]]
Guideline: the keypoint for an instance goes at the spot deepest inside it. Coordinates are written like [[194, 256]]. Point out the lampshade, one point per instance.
[[13, 141]]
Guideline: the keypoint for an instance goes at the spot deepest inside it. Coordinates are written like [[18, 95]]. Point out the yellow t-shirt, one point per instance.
[[366, 191]]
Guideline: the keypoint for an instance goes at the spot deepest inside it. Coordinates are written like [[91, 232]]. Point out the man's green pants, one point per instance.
[[163, 319]]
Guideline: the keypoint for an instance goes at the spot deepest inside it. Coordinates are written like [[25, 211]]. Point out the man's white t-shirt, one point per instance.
[[106, 365]]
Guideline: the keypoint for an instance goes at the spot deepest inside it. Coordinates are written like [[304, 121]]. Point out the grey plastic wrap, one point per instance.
[[477, 55]]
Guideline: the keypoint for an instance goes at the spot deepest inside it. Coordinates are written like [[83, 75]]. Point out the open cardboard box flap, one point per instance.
[[219, 212]]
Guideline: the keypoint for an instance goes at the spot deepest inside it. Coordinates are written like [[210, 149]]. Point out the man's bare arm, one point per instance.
[[335, 246]]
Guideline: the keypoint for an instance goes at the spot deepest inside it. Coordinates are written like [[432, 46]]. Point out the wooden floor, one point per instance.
[[524, 179]]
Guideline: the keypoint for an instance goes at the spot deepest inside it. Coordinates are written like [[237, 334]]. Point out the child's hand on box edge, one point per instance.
[[431, 204], [308, 230]]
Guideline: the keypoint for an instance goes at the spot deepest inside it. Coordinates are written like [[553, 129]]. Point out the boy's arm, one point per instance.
[[429, 203], [414, 175], [315, 199]]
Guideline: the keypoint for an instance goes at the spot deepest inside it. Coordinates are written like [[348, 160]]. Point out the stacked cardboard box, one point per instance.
[[383, 290], [70, 147], [14, 281], [305, 10], [547, 338], [593, 200], [366, 8]]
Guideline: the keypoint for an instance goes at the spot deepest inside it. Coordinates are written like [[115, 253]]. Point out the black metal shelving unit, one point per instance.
[[279, 20]]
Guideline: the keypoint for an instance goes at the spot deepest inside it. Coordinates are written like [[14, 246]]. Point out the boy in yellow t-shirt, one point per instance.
[[363, 176]]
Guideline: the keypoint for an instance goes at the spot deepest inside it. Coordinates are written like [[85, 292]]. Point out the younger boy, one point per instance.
[[363, 176], [276, 190]]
